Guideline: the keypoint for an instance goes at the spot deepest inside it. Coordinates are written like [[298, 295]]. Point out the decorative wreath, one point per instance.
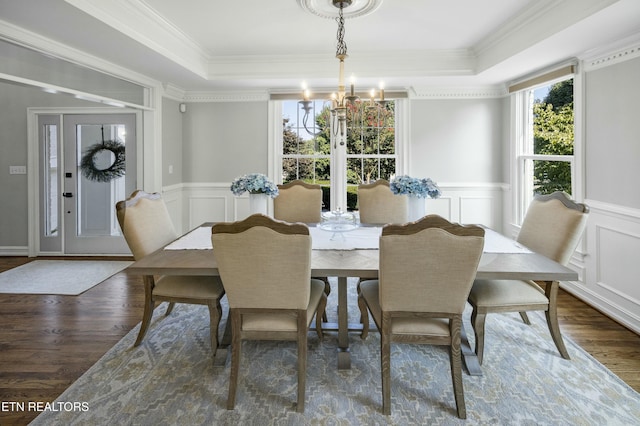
[[115, 170]]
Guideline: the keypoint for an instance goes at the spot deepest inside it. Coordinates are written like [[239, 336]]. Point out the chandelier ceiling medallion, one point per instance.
[[340, 100]]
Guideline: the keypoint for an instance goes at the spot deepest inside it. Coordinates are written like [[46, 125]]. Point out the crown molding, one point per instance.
[[621, 51], [538, 21], [458, 92], [142, 23], [52, 48], [173, 92], [457, 62], [258, 96]]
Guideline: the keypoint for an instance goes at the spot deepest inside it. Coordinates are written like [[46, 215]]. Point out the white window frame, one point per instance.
[[339, 191], [522, 134]]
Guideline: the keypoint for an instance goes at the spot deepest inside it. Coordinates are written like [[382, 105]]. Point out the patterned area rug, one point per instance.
[[65, 277], [170, 380]]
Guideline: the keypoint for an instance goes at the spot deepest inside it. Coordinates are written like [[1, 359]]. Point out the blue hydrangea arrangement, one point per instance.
[[254, 183], [414, 187]]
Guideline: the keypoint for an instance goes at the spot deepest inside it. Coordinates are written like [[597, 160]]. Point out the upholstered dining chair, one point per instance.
[[378, 205], [147, 227], [273, 299], [552, 227], [427, 268], [298, 201]]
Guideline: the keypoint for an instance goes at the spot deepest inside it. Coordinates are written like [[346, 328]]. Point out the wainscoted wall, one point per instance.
[[611, 263], [191, 204]]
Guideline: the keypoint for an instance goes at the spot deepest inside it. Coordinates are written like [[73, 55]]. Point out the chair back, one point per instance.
[[145, 223], [428, 265], [264, 263], [298, 201], [377, 204], [553, 226]]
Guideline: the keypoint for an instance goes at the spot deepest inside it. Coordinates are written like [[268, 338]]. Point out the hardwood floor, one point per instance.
[[47, 342]]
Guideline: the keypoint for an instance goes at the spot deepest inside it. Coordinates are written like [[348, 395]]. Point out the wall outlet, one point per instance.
[[17, 170]]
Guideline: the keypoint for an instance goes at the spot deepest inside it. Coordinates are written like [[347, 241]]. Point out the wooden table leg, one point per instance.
[[223, 347], [468, 355], [344, 356]]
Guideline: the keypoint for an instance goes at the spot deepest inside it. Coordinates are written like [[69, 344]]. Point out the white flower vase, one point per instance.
[[416, 208], [258, 203]]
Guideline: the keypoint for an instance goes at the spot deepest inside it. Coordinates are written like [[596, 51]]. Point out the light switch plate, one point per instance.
[[17, 170]]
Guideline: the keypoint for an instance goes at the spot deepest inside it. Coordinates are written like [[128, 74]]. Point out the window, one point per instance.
[[544, 153], [310, 152]]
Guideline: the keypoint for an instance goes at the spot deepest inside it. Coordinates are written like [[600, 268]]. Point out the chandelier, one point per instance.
[[339, 101]]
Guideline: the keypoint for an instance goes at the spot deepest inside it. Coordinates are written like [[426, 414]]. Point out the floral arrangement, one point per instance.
[[414, 187], [254, 183]]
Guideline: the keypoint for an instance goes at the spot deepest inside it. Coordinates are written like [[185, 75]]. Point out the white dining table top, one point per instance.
[[503, 258]]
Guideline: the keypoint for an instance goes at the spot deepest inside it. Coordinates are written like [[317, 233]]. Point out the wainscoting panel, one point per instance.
[[477, 210], [611, 249], [468, 204], [206, 209], [617, 259], [440, 206]]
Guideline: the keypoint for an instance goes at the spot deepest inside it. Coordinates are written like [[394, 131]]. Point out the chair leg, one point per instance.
[[321, 313], [456, 366], [302, 360], [327, 291], [215, 314], [169, 308], [385, 363], [477, 321], [149, 306], [358, 293], [551, 313], [525, 318], [364, 316], [236, 349]]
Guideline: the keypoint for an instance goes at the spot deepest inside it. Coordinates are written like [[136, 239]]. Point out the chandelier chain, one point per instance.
[[341, 48]]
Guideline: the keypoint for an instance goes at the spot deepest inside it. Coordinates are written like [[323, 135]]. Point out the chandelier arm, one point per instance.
[[305, 119]]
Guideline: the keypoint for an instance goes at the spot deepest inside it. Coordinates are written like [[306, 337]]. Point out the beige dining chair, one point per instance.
[[427, 268], [378, 205], [271, 293], [552, 227], [299, 201], [147, 227]]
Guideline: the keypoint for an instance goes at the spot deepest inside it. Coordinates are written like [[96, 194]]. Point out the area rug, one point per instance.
[[64, 277], [170, 380]]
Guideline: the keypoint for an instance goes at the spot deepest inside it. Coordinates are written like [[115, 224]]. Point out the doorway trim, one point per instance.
[[33, 161]]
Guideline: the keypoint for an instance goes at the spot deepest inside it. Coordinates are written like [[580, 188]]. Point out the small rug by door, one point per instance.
[[64, 277]]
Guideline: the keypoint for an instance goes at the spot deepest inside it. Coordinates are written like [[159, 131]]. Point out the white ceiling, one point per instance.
[[216, 45]]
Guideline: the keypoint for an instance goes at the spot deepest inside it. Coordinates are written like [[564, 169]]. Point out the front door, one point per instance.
[[97, 158]]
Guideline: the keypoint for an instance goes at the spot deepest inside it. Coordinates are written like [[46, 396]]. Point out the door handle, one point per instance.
[[67, 194]]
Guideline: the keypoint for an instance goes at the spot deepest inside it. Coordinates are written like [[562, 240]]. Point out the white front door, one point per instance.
[[82, 178]]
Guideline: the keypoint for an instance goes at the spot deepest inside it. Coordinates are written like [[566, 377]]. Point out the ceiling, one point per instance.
[[253, 45]]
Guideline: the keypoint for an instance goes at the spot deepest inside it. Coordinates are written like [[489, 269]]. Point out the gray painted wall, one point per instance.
[[223, 140], [458, 141], [612, 135], [172, 144]]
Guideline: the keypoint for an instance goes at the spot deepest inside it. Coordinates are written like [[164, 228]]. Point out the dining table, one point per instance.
[[355, 254]]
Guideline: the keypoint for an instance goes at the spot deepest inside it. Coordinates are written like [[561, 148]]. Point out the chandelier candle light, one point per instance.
[[339, 100]]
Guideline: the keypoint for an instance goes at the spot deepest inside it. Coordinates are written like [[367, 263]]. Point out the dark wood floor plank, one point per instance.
[[47, 342]]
